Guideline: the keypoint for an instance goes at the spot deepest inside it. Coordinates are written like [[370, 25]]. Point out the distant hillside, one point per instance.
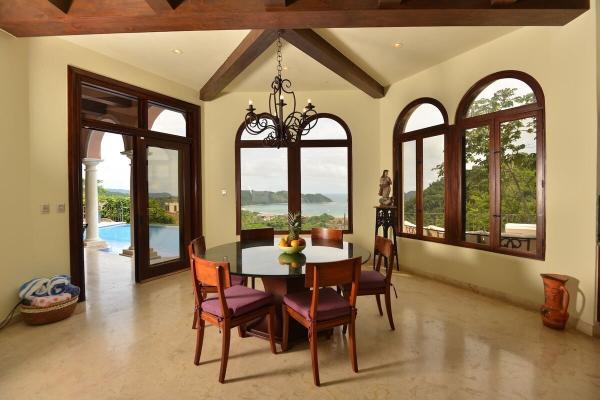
[[410, 195], [266, 197], [117, 192]]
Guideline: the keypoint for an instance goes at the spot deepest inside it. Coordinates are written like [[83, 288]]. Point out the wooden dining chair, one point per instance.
[[232, 307], [257, 235], [336, 235], [373, 282], [322, 308], [197, 247]]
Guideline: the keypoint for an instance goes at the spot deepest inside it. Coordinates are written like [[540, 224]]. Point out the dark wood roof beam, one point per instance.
[[253, 45], [322, 51], [62, 5], [160, 6]]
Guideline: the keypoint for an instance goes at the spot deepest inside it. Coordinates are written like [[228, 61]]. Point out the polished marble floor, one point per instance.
[[135, 342]]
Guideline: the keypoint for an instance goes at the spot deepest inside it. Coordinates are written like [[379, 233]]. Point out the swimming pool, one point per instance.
[[163, 239]]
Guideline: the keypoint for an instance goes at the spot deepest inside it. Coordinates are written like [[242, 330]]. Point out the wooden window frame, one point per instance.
[[493, 120], [400, 137], [454, 166], [294, 166], [76, 78]]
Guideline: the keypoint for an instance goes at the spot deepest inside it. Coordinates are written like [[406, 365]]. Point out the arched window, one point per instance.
[[419, 162], [312, 176], [501, 122]]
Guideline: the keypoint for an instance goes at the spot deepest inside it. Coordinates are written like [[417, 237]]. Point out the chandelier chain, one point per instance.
[[279, 57]]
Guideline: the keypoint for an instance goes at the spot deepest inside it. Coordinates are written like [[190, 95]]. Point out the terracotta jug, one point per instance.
[[554, 311]]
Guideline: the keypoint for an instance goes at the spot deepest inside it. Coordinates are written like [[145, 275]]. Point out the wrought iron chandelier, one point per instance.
[[281, 130]]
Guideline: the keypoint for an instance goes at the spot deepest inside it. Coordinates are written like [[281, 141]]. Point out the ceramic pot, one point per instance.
[[554, 310]]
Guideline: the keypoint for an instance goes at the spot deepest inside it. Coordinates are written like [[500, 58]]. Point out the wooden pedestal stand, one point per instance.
[[385, 218]]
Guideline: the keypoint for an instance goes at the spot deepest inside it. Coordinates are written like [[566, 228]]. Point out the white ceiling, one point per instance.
[[371, 48]]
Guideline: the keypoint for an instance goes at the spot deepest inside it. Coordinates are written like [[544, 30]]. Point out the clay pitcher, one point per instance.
[[554, 311]]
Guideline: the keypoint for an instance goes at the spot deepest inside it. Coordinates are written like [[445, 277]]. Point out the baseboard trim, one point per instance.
[[575, 323]]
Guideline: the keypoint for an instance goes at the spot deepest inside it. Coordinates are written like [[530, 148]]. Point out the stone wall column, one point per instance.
[[92, 233]]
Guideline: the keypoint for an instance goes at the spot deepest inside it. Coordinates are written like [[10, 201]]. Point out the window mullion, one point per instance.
[[294, 178], [419, 182], [494, 166]]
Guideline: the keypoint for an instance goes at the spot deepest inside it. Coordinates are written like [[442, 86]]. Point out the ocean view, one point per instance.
[[337, 208]]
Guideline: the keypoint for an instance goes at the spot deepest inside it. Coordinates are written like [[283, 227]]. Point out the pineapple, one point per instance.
[[294, 222]]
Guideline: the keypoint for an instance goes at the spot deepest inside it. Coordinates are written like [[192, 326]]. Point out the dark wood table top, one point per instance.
[[265, 259]]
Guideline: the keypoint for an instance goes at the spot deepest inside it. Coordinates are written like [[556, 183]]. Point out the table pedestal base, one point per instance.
[[279, 287]]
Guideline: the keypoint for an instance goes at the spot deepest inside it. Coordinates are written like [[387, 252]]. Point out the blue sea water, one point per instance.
[[337, 208], [163, 239]]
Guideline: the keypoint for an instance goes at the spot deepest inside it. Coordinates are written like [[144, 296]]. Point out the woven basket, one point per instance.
[[46, 315]]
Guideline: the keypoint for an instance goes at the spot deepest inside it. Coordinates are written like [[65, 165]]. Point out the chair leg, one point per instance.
[[352, 340], [388, 308], [253, 282], [378, 298], [199, 340], [242, 331], [195, 320], [312, 338], [285, 329], [345, 329], [271, 328], [224, 352]]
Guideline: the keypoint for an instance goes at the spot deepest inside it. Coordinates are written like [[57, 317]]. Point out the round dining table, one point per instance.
[[281, 273]]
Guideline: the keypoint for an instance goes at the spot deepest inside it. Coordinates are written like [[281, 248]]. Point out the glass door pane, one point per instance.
[[433, 187], [409, 187], [518, 185], [324, 187], [264, 188], [165, 226], [476, 206], [164, 210]]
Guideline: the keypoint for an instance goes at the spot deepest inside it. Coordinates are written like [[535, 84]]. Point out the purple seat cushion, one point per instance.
[[238, 280], [331, 305], [240, 300], [371, 280]]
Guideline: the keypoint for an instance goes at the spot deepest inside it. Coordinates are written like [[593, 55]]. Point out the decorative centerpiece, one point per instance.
[[293, 243], [554, 310], [385, 189]]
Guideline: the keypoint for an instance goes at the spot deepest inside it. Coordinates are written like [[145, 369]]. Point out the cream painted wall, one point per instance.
[[14, 170], [221, 119], [563, 60], [33, 167]]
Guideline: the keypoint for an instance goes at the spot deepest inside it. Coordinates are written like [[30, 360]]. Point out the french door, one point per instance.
[[163, 207]]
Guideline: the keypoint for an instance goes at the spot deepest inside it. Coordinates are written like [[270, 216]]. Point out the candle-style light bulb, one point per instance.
[[281, 97], [250, 102], [309, 101]]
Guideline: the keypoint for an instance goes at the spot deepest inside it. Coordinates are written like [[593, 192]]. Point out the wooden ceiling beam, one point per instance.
[[495, 3], [253, 45], [276, 4], [160, 6], [63, 5], [42, 18], [322, 51], [389, 3]]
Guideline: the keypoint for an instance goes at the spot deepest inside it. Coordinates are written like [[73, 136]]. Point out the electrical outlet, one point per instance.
[[45, 208], [61, 208]]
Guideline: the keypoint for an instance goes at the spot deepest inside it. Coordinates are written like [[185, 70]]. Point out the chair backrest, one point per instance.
[[257, 234], [327, 234], [384, 249], [210, 274], [197, 247], [332, 274]]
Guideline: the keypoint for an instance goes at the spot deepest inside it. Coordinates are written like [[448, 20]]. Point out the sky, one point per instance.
[[324, 170]]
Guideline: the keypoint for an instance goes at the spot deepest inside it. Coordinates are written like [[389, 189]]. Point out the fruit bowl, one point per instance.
[[291, 249]]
